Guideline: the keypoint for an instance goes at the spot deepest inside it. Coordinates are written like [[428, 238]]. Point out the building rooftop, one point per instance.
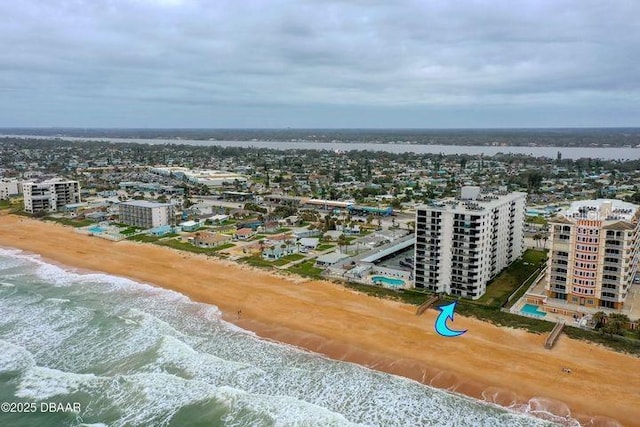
[[244, 231], [397, 247], [473, 200], [144, 204], [332, 258], [602, 209]]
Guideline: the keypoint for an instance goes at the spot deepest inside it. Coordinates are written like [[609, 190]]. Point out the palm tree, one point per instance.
[[342, 242], [599, 318], [536, 238]]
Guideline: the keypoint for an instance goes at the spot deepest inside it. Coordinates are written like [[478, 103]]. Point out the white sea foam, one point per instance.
[[541, 408], [277, 410], [175, 354], [42, 383], [57, 300], [14, 358]]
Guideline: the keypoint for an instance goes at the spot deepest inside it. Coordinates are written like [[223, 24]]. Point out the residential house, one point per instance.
[[244, 233], [207, 239]]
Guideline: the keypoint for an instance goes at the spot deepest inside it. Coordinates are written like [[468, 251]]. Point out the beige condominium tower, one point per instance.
[[593, 256]]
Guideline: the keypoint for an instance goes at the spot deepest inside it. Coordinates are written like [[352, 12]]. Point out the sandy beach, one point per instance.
[[498, 364]]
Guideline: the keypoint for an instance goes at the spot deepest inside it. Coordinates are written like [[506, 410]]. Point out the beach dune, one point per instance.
[[501, 365]]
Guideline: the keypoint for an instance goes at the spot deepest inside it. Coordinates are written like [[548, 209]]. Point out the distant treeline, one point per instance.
[[560, 137]]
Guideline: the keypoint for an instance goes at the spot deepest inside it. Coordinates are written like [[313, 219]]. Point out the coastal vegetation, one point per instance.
[[513, 277], [72, 222], [307, 269]]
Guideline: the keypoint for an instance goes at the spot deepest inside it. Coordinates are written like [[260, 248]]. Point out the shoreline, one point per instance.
[[380, 334]]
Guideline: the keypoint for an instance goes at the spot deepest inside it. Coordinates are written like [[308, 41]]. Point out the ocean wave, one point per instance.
[[14, 358], [40, 383], [174, 354]]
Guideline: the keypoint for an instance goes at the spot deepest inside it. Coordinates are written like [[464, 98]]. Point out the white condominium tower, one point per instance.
[[593, 256], [50, 196], [462, 243]]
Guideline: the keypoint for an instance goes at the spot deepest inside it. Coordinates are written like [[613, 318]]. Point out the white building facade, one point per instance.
[[49, 196], [144, 214], [461, 244], [8, 187], [206, 177], [594, 254]]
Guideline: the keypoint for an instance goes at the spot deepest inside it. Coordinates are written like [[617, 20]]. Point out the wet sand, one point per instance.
[[501, 365]]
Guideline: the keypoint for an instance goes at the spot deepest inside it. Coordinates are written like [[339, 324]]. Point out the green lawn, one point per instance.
[[130, 230], [499, 289], [306, 269], [188, 247], [256, 261], [287, 259], [222, 247], [324, 247], [14, 203]]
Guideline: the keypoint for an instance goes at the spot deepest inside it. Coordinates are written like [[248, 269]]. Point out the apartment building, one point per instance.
[[463, 243], [144, 214], [8, 187], [593, 256], [49, 196]]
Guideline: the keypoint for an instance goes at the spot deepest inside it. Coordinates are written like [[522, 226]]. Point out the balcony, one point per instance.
[[611, 297]]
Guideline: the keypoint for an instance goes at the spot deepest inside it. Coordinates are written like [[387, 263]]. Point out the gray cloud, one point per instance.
[[290, 63]]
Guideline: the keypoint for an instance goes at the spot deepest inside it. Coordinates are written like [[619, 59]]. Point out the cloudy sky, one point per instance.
[[319, 63]]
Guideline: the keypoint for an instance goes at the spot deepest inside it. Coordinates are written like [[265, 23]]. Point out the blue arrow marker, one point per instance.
[[446, 312]]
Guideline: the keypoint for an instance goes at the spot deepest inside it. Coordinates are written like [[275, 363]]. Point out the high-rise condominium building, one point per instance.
[[49, 196], [462, 243], [593, 256]]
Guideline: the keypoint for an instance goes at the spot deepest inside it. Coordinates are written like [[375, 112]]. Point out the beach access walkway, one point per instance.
[[427, 304], [553, 336]]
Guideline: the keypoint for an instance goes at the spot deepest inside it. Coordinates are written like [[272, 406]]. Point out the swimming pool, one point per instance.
[[532, 310], [389, 281], [96, 229]]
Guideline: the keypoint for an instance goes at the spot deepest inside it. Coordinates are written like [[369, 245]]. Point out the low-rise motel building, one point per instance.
[[593, 258], [145, 214]]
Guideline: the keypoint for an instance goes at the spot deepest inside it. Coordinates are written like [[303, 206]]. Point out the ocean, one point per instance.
[[92, 349]]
